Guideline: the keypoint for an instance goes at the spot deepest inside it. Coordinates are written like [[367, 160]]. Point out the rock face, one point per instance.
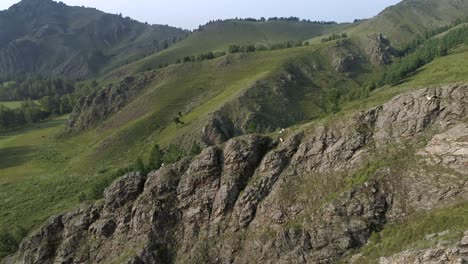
[[450, 148], [454, 254], [344, 63], [97, 106], [231, 204], [379, 49]]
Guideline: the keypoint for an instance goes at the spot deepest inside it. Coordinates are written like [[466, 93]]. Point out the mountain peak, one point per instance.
[[33, 4]]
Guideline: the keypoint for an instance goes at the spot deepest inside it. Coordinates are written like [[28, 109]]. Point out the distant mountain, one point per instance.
[[50, 38]]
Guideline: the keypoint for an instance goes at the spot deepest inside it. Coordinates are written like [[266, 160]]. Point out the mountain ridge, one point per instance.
[[73, 41]]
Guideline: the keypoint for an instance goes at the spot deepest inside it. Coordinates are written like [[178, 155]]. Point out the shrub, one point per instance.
[[173, 153], [195, 149], [251, 128], [10, 240]]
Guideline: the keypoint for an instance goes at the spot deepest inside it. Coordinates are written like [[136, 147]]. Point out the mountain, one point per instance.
[[401, 23], [349, 149], [318, 195], [219, 35], [50, 38]]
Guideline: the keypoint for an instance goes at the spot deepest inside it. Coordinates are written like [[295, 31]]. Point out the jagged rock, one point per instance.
[[379, 49], [454, 254], [450, 149], [92, 109], [220, 206], [124, 190], [344, 63]]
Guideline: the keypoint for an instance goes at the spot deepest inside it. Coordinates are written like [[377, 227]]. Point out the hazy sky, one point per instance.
[[191, 13]]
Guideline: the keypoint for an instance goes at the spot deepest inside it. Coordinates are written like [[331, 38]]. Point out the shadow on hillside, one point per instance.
[[32, 127], [15, 156]]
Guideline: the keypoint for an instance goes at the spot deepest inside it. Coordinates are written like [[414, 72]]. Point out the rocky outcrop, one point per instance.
[[229, 205], [92, 109], [453, 254], [449, 149], [379, 49], [344, 63]]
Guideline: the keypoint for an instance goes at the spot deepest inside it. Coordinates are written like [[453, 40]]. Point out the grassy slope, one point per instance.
[[197, 89], [218, 36], [31, 190], [410, 234], [64, 167], [402, 22], [65, 38], [61, 168], [443, 70]]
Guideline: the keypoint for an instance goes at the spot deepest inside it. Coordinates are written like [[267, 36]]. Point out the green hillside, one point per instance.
[[401, 23], [132, 104], [190, 88], [88, 157], [50, 38], [217, 36]]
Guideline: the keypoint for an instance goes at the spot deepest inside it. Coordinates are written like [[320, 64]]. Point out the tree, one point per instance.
[[156, 158], [333, 99], [177, 121], [140, 166]]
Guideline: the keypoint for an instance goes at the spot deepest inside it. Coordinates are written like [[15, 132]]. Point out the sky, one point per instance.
[[189, 14]]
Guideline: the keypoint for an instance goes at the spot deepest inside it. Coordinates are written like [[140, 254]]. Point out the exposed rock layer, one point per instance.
[[221, 206]]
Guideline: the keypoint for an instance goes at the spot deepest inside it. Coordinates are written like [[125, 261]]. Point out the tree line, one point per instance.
[[334, 37], [21, 88], [426, 52], [235, 49], [41, 98], [35, 111], [421, 39], [263, 19]]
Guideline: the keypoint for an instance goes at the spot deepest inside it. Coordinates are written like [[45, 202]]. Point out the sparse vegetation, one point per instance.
[[10, 240], [424, 54], [151, 132], [335, 37], [410, 233]]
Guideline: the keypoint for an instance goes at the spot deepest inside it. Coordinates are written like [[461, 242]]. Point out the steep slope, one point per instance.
[[312, 198], [262, 91], [401, 23], [46, 37], [217, 36]]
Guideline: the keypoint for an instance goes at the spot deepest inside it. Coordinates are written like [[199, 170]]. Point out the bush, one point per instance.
[[234, 49], [10, 240], [196, 149], [173, 153], [251, 128]]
